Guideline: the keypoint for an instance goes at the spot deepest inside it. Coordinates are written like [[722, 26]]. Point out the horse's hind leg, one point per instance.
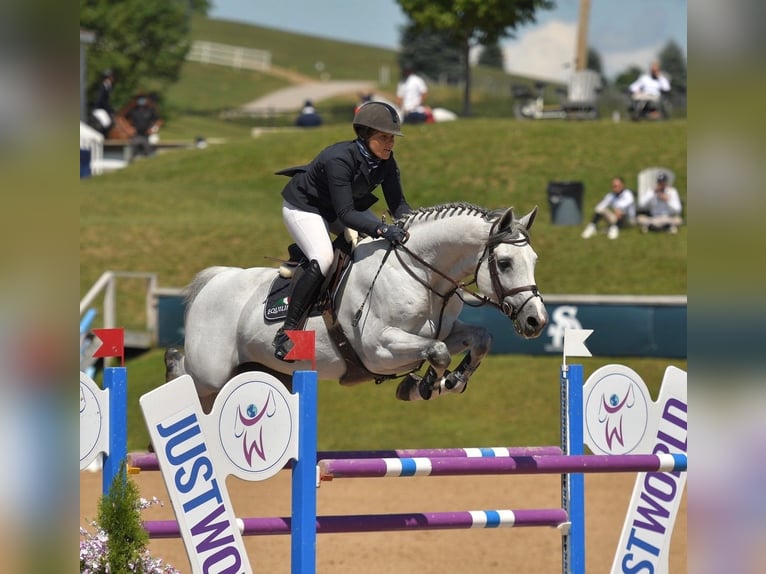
[[174, 368], [174, 364]]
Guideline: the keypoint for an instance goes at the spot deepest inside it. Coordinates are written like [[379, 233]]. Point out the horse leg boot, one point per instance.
[[301, 299]]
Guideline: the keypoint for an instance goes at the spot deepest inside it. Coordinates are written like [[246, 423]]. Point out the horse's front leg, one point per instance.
[[438, 380], [396, 346], [478, 341]]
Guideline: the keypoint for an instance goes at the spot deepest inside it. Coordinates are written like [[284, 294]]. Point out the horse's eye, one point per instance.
[[504, 264]]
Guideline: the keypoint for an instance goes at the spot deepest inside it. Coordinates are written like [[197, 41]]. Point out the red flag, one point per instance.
[[112, 344], [304, 347]]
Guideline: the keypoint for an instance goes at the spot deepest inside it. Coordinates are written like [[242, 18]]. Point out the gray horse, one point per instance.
[[397, 307]]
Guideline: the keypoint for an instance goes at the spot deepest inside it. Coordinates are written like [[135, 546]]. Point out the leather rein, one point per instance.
[[459, 287]]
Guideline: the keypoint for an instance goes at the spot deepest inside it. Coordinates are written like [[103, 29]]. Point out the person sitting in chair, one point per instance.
[[646, 94], [663, 208], [334, 192]]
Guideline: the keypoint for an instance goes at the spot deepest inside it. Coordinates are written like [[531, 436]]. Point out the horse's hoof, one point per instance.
[[405, 387], [413, 388]]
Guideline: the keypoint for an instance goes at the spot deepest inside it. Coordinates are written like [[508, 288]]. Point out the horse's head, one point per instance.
[[506, 273]]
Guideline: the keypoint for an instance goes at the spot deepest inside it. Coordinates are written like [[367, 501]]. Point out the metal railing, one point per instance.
[[107, 285]]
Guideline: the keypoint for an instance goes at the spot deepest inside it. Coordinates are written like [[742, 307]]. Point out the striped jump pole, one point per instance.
[[334, 524], [546, 464], [147, 461]]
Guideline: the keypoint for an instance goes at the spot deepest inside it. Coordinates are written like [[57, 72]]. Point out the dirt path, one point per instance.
[[533, 550], [292, 98]]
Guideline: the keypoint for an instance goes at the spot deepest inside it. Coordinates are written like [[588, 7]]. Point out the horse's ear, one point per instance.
[[529, 219], [506, 219]]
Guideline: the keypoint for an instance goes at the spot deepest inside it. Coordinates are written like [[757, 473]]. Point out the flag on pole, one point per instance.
[[112, 344], [574, 343], [304, 347]]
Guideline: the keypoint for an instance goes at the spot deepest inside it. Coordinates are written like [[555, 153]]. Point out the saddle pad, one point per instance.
[[275, 307]]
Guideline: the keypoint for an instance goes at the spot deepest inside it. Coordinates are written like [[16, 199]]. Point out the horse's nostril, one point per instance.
[[532, 321]]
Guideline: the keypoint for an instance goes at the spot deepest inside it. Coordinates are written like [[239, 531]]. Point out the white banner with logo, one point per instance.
[[250, 433], [621, 418]]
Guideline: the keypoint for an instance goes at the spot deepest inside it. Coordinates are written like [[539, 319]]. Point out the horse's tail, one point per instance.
[[200, 280]]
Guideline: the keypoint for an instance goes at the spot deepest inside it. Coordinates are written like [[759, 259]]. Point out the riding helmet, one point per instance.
[[378, 116]]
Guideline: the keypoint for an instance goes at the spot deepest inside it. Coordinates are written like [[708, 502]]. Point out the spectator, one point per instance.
[[334, 192], [410, 95], [145, 121], [102, 109], [647, 91], [618, 208], [663, 207], [308, 118]]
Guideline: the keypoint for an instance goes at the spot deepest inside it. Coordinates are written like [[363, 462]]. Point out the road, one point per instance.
[[291, 99]]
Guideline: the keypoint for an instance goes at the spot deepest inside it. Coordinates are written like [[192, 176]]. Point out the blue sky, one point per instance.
[[623, 32]]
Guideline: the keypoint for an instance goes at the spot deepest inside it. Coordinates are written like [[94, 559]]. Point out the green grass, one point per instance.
[[189, 209], [299, 52], [207, 88], [512, 400], [185, 210]]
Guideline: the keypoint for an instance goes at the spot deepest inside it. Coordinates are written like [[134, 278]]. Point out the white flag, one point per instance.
[[574, 343]]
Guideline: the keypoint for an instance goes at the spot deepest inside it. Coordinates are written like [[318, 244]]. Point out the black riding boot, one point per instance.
[[302, 298]]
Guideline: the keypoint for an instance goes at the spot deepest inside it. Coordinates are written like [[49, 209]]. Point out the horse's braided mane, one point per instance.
[[447, 210], [512, 234]]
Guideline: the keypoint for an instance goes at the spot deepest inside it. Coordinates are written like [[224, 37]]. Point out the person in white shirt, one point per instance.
[[410, 95], [618, 208], [647, 91], [663, 207]]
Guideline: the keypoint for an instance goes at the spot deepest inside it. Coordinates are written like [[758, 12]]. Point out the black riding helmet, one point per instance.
[[378, 116]]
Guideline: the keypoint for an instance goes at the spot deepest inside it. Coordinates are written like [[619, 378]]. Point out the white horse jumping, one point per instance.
[[396, 308]]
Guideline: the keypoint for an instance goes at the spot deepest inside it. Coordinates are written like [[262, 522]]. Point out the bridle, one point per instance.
[[459, 287]]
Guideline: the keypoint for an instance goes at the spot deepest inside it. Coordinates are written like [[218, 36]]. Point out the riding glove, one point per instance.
[[393, 233]]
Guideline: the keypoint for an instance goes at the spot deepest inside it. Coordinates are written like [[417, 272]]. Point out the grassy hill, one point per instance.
[[193, 105], [184, 210]]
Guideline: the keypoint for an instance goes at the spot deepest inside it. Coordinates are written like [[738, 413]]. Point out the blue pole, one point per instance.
[[116, 380], [304, 496], [573, 484]]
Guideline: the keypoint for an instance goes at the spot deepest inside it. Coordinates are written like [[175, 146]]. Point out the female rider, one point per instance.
[[335, 191]]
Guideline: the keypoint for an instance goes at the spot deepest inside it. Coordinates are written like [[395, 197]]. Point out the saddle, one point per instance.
[[275, 306]]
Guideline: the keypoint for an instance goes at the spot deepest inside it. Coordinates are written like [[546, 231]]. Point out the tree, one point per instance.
[[673, 63], [492, 56], [431, 53], [143, 43], [472, 22]]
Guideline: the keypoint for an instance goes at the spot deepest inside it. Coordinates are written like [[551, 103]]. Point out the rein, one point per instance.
[[460, 286]]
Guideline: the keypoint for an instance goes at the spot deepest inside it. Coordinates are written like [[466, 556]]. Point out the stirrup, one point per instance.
[[282, 346]]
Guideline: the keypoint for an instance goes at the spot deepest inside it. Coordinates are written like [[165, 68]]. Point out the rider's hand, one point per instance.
[[393, 233]]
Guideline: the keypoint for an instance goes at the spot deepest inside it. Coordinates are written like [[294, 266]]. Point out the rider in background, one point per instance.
[[334, 192]]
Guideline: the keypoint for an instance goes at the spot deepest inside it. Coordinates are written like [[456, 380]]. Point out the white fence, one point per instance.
[[232, 56]]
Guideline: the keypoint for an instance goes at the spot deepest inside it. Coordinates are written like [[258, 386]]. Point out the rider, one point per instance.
[[334, 192]]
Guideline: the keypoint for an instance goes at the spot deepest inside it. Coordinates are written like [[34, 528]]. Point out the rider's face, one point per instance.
[[381, 144]]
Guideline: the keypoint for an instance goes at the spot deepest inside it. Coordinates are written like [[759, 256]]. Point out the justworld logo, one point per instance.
[[255, 427], [616, 413], [248, 425]]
